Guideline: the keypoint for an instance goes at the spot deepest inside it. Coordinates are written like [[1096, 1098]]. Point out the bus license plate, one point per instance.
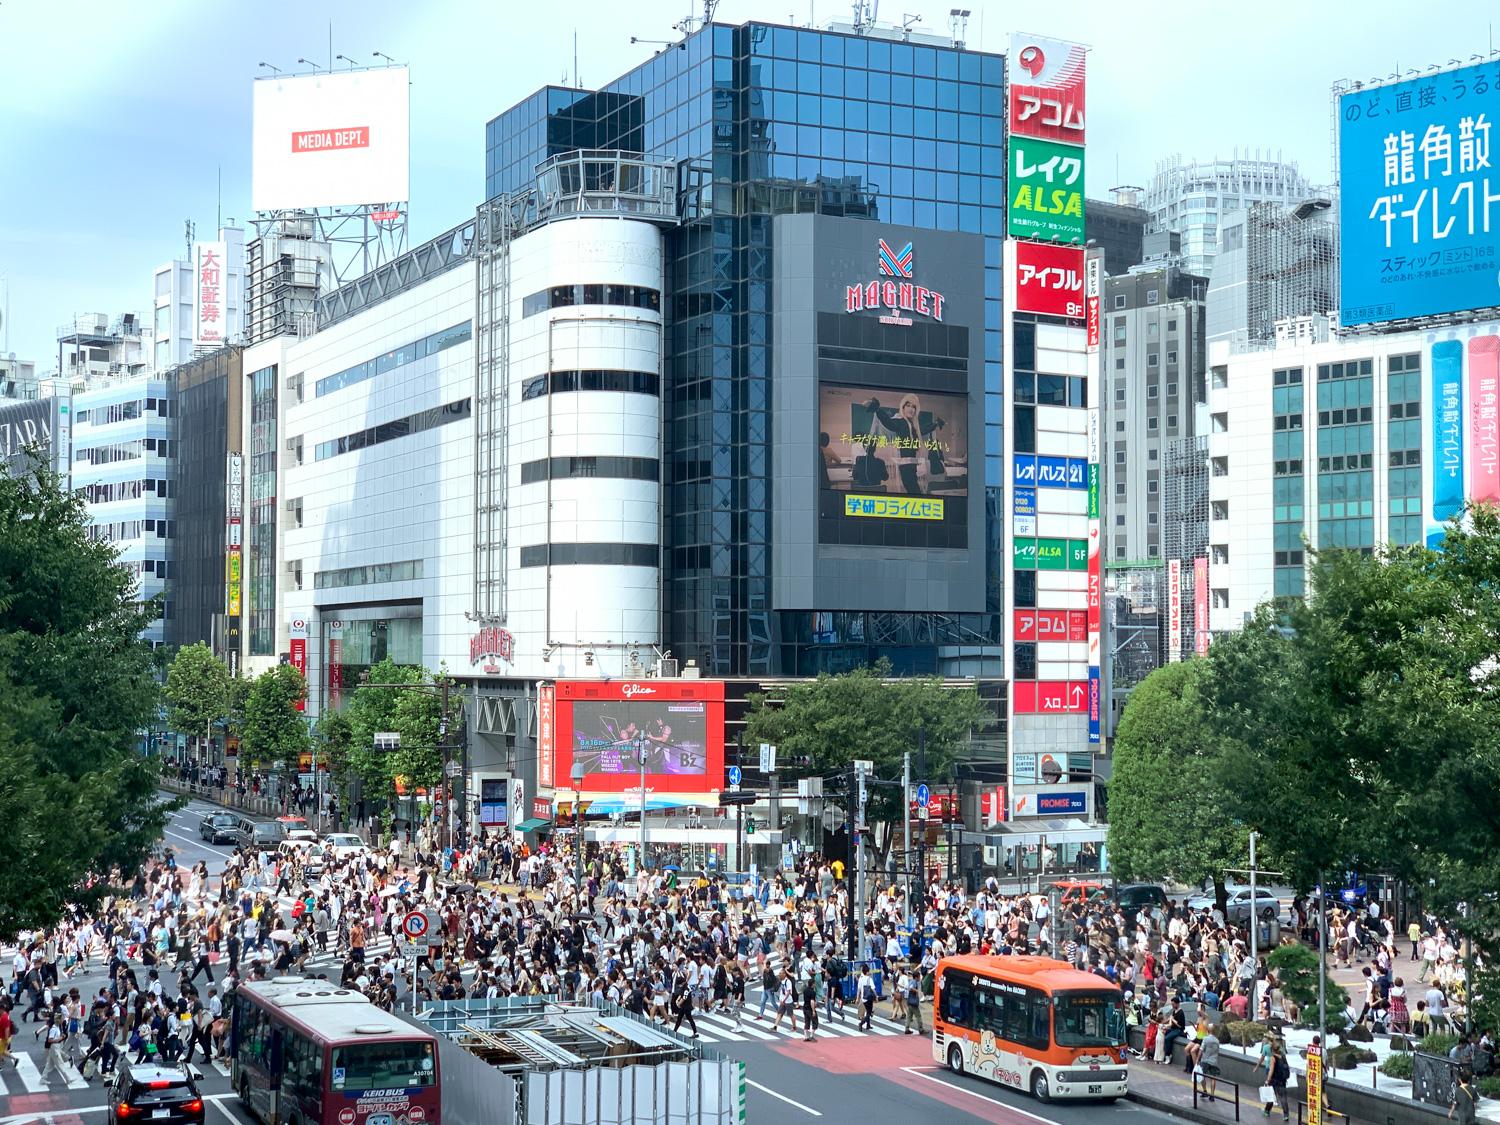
[[1096, 1089]]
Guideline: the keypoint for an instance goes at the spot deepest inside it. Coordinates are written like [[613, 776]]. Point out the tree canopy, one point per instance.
[[275, 732], [415, 715], [1356, 729], [198, 691], [832, 720], [1168, 812], [77, 687]]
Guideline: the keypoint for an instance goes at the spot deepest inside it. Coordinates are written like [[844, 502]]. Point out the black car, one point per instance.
[[1134, 897], [218, 826], [155, 1094]]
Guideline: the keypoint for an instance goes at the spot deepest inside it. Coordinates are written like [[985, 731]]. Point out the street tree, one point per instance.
[[77, 688], [198, 691], [404, 700], [275, 730], [832, 720], [1168, 812], [1362, 721]]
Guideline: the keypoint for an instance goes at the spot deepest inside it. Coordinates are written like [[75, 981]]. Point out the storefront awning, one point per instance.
[[533, 824]]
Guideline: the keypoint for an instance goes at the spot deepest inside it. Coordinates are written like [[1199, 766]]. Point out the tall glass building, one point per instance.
[[765, 122]]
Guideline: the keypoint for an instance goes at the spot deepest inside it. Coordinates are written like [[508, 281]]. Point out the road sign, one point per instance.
[[455, 768], [415, 925], [863, 765], [767, 757], [734, 775], [411, 949], [923, 795]]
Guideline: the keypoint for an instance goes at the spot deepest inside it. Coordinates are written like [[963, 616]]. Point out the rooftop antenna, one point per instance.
[[958, 24], [577, 84], [268, 66], [189, 230], [907, 21]]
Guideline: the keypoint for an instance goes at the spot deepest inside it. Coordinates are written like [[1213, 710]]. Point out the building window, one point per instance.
[[591, 554], [560, 382], [1119, 300], [604, 468], [396, 357], [1152, 296], [371, 575], [397, 428], [563, 296]]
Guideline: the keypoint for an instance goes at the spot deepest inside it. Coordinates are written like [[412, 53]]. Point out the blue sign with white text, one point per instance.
[[1419, 213], [1025, 470], [1023, 501], [1053, 804], [1447, 430]]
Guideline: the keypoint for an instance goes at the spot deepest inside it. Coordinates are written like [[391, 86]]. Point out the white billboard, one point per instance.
[[331, 140], [210, 285]]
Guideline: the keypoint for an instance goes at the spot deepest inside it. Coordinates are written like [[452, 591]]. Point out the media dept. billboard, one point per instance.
[[331, 140], [608, 726], [1419, 212]]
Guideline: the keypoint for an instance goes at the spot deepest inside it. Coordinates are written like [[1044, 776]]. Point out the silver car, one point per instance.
[[1237, 906]]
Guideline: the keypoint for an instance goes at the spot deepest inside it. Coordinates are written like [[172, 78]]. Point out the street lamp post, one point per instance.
[[640, 753], [578, 831]]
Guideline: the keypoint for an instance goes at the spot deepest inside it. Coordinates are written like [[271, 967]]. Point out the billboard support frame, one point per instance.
[[358, 240]]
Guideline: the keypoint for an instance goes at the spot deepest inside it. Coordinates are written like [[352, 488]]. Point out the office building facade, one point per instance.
[[1350, 443], [1191, 196], [1276, 264], [174, 310]]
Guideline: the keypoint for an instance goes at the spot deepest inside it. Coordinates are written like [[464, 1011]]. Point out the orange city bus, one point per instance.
[[305, 1052], [1030, 1022]]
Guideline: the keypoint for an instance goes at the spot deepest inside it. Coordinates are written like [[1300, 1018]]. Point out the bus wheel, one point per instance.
[[1039, 1089], [955, 1058]]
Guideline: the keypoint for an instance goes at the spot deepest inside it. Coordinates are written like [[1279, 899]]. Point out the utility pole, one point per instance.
[[906, 820], [1322, 957], [849, 830], [921, 927], [1254, 934], [447, 810], [859, 851]]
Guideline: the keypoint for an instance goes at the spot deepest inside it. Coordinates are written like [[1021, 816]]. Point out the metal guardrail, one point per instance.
[[229, 798], [1200, 1081]]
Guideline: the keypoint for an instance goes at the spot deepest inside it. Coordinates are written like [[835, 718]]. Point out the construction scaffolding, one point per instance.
[[1290, 264]]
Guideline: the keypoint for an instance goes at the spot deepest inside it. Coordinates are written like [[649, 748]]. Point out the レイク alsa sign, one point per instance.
[[893, 297]]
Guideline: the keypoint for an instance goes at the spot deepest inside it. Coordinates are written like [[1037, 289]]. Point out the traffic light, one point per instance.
[[749, 826]]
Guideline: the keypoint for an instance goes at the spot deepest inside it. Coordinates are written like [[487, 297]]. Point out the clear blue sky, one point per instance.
[[116, 118]]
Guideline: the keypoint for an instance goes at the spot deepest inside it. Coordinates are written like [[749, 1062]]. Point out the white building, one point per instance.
[[18, 379], [1354, 442], [93, 347], [124, 439], [174, 286], [1190, 196]]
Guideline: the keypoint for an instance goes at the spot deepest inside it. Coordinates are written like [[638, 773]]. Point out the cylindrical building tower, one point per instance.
[[584, 444]]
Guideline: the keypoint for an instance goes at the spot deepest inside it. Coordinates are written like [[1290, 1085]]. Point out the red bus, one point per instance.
[[304, 1052]]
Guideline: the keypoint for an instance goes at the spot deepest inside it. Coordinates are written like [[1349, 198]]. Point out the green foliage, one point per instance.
[[1296, 967], [1359, 726], [334, 735], [275, 731], [1244, 1033], [77, 686], [198, 690], [1398, 1065], [865, 714], [1167, 814], [415, 715], [1488, 1087], [1437, 1043]]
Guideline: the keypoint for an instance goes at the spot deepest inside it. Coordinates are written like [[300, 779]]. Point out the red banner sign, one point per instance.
[[1484, 418], [545, 734], [1049, 279], [299, 661], [1050, 697]]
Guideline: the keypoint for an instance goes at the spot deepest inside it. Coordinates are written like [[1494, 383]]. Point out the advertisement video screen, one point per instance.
[[893, 467], [673, 734]]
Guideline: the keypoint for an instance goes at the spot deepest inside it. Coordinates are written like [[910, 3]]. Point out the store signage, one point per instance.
[[1200, 605], [546, 711], [297, 656], [489, 645], [992, 805], [1046, 88], [1049, 279], [1050, 554], [209, 284], [1447, 429], [1174, 610], [894, 507], [1065, 625], [541, 808], [1053, 804], [1030, 471], [1042, 697], [892, 297], [1045, 193], [1091, 274], [232, 583]]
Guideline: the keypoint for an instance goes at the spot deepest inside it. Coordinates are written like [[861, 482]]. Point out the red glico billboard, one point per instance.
[[609, 726]]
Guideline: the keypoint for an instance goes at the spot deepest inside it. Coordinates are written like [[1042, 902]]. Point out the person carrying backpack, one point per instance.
[[1278, 1073]]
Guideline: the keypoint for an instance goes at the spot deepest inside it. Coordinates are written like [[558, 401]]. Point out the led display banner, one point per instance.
[[893, 466], [1045, 194], [1419, 214], [1046, 88], [1447, 430], [608, 726], [1484, 438]]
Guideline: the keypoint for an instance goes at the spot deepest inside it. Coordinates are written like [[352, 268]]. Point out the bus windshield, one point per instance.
[[368, 1066], [1089, 1019]]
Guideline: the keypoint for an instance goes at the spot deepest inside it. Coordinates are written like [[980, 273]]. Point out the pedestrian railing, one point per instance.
[[1328, 1113], [252, 803], [1200, 1089]]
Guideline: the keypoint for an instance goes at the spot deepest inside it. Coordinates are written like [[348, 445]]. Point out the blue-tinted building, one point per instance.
[[764, 122]]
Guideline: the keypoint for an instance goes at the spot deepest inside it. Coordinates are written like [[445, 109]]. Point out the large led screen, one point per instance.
[[893, 467], [611, 737]]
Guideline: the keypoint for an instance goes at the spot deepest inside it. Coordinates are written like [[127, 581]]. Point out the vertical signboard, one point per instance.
[[1200, 606], [1447, 430], [1049, 279], [210, 277], [297, 656], [1046, 88], [1174, 610], [1417, 234], [335, 665], [1484, 421], [1314, 1085], [1093, 269], [546, 739], [1045, 191], [234, 510]]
